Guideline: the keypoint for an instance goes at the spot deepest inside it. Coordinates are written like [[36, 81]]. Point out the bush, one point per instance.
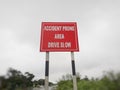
[[109, 81]]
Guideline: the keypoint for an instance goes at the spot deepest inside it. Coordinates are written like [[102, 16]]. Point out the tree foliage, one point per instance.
[[109, 81], [16, 80]]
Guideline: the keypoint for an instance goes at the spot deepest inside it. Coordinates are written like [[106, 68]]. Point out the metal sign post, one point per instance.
[[73, 71], [47, 71]]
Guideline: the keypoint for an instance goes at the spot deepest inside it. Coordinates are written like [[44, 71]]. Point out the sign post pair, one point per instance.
[[59, 37]]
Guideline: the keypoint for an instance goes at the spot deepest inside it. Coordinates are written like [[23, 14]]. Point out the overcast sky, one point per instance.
[[98, 24]]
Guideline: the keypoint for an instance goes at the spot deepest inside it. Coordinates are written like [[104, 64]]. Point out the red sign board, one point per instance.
[[59, 36]]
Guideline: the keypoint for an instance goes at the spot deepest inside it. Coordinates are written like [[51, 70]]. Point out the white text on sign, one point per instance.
[[59, 36], [59, 44], [59, 28]]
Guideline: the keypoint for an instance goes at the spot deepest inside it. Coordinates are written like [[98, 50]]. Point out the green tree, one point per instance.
[[29, 78], [17, 80], [3, 82]]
